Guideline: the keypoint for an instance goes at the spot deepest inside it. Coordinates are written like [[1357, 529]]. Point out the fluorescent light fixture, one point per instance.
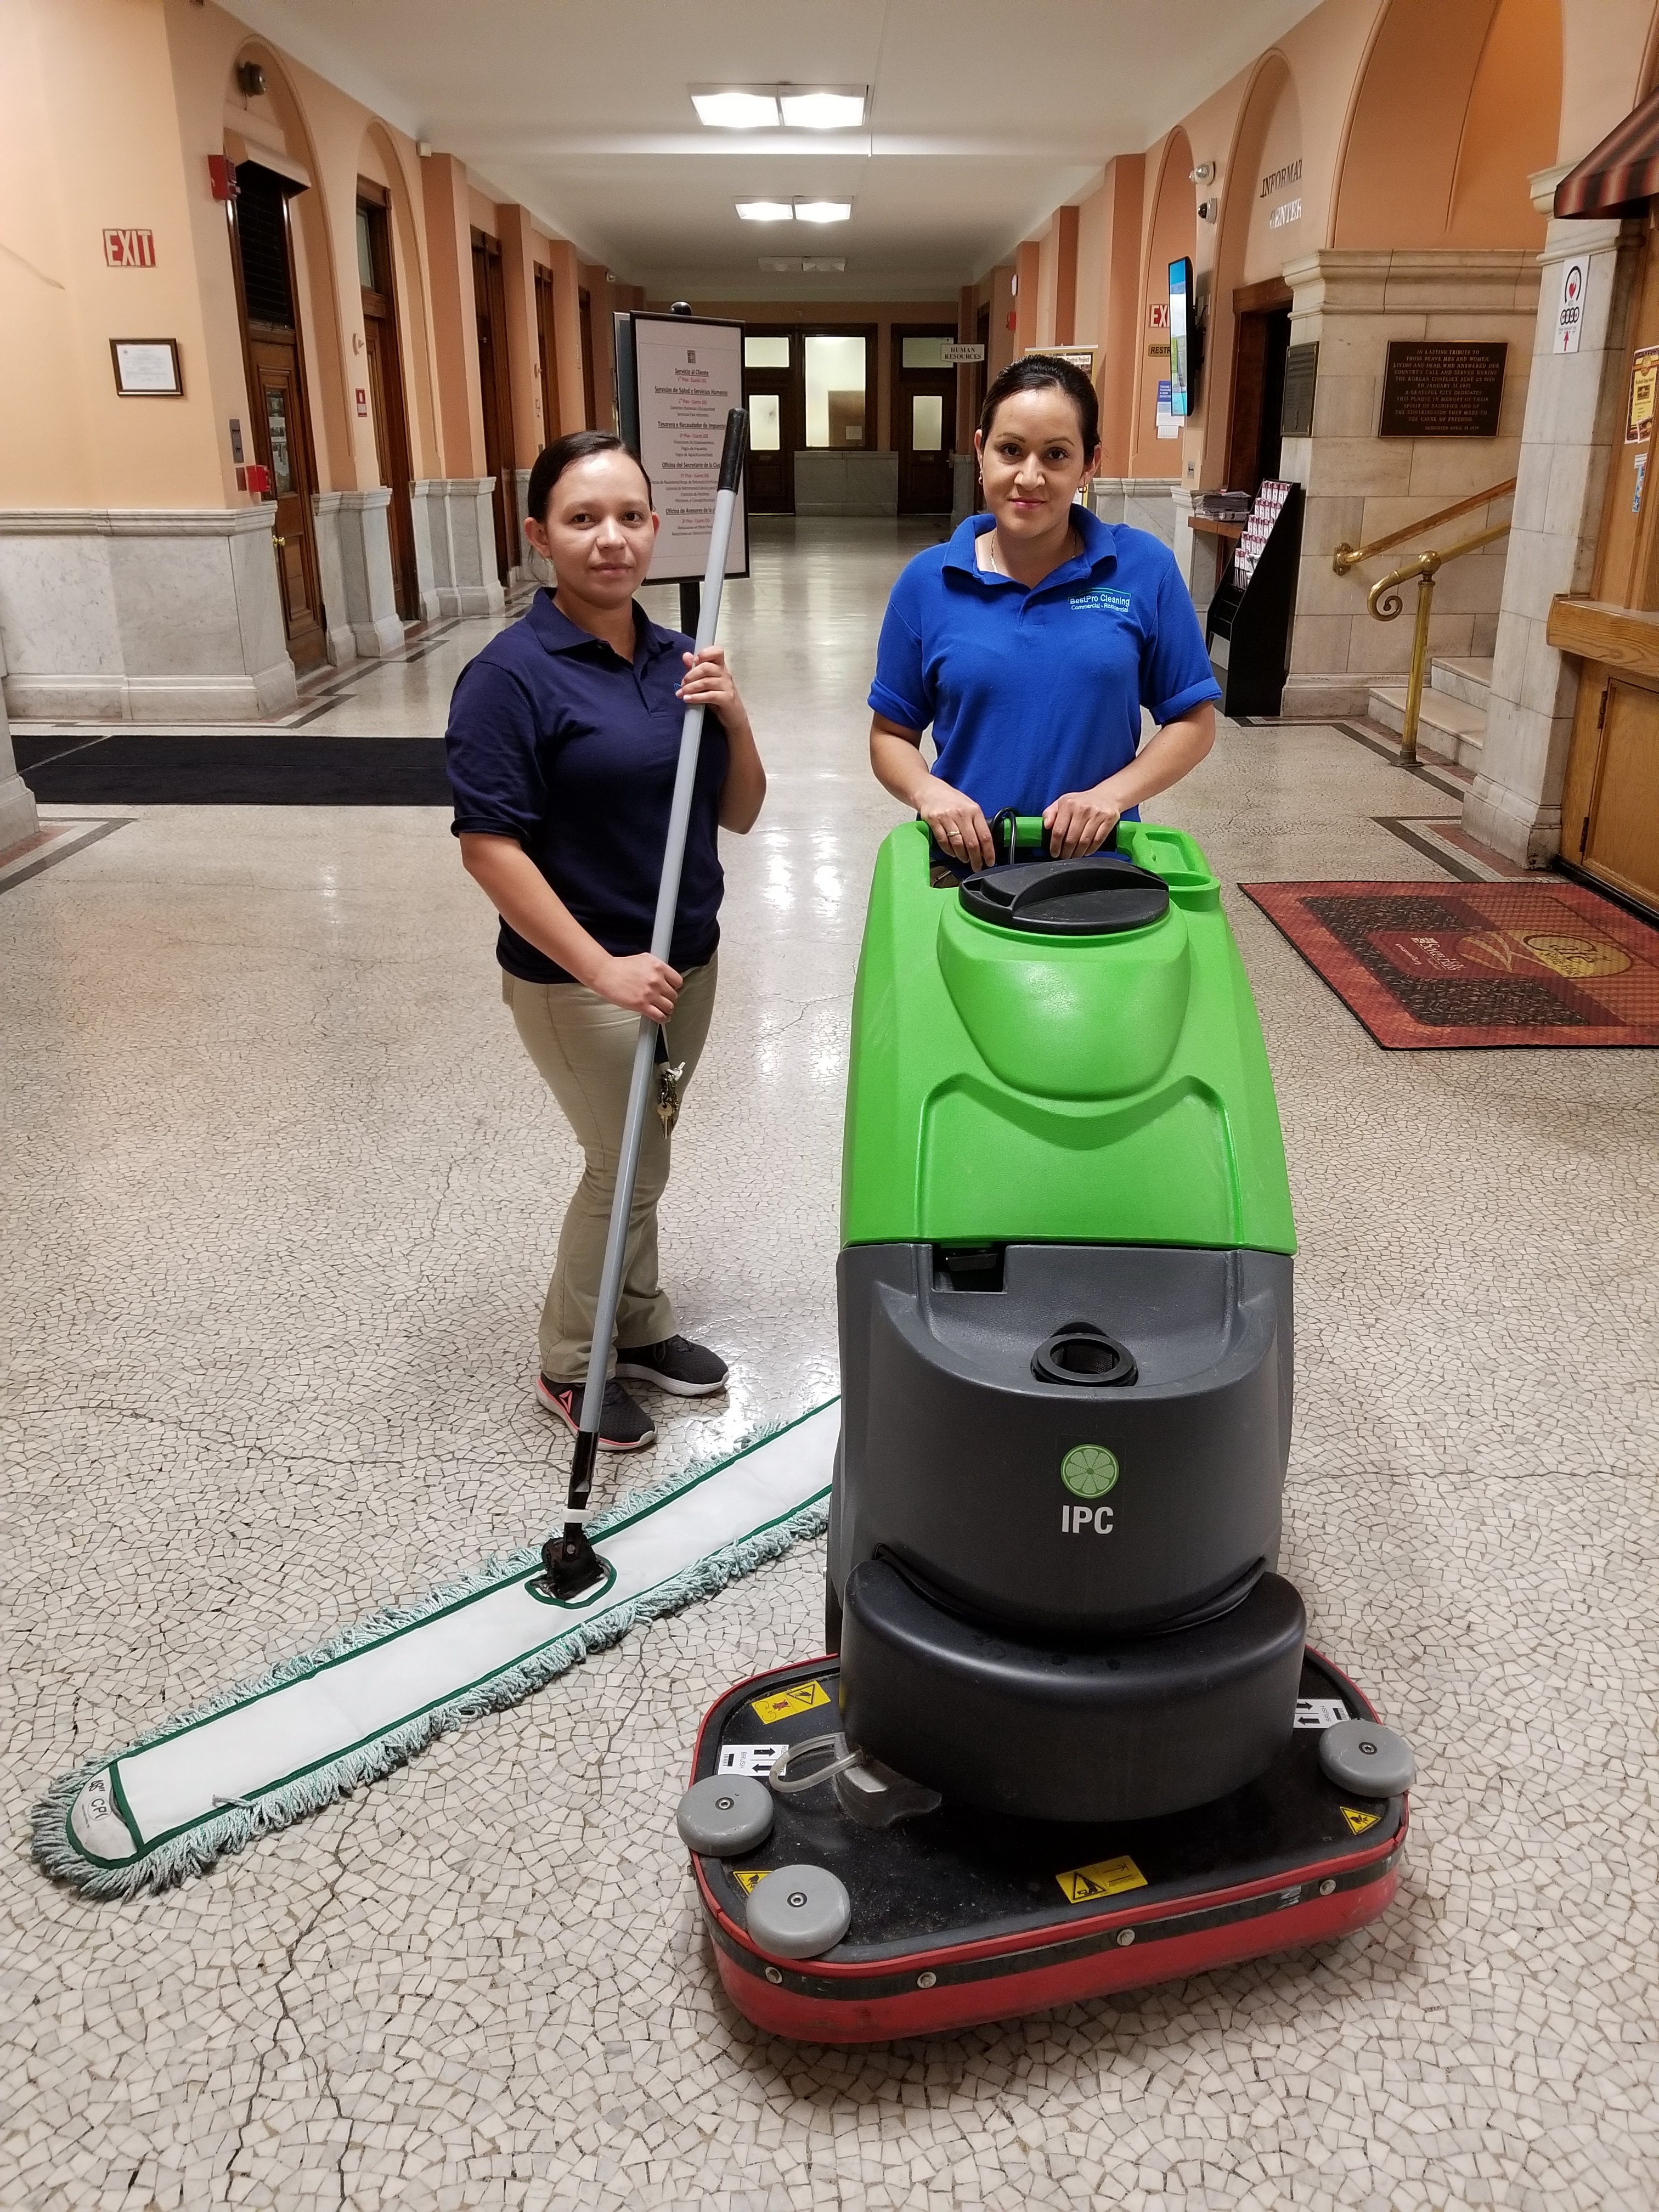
[[827, 267], [838, 109], [780, 268], [754, 108], [766, 210], [822, 211]]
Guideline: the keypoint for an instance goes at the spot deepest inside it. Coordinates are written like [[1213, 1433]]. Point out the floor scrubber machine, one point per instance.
[[1070, 1737]]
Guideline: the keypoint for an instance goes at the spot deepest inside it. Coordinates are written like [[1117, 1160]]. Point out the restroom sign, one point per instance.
[[130, 249], [1569, 313]]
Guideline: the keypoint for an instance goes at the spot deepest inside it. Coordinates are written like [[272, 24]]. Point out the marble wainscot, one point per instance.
[[828, 483], [143, 614], [354, 559], [1352, 302], [19, 819], [1143, 502], [455, 546], [1575, 416]]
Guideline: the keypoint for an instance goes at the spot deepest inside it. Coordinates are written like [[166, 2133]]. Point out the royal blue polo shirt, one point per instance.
[[556, 740], [1033, 694]]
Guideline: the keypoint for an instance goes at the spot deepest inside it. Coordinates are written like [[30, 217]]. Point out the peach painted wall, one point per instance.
[[1109, 247], [66, 440], [558, 257], [1172, 233], [447, 197], [1047, 282], [1608, 65]]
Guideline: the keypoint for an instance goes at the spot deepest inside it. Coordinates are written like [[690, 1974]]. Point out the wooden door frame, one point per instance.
[[398, 465], [495, 312], [1253, 304], [793, 396], [897, 374], [546, 350], [252, 386]]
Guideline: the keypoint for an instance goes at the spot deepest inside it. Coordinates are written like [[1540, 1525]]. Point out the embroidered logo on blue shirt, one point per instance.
[[1103, 600]]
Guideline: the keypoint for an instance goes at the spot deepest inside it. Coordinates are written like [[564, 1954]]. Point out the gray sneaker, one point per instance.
[[624, 1425], [686, 1370]]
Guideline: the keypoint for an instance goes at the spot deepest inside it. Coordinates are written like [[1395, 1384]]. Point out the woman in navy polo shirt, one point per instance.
[[1031, 641], [563, 742]]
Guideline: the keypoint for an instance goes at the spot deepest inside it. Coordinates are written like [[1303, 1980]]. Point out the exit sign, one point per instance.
[[130, 249]]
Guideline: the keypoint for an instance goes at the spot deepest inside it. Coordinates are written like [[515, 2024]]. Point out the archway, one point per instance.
[[1459, 102], [1262, 230], [1174, 233]]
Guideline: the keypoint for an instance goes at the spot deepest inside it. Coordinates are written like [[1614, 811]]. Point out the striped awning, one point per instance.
[[1621, 174]]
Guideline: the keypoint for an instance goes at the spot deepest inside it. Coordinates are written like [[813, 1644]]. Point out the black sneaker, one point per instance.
[[689, 1370], [624, 1425]]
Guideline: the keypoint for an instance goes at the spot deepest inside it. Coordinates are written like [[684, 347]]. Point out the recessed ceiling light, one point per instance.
[[780, 268], [750, 110], [766, 210], [839, 110], [828, 267], [824, 210]]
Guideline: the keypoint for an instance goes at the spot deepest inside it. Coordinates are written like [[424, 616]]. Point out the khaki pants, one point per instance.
[[583, 1047]]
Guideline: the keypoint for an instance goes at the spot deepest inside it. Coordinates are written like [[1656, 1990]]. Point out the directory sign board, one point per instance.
[[687, 376]]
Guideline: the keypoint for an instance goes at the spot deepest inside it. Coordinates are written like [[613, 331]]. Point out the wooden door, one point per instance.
[[1610, 809], [585, 313], [982, 373], [490, 305], [924, 418], [384, 358], [1261, 340], [280, 441], [262, 262], [771, 393], [547, 354]]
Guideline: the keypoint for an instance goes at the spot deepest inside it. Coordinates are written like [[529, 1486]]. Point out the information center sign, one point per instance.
[[687, 376]]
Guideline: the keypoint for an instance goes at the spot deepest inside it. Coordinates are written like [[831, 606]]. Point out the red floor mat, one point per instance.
[[1512, 964]]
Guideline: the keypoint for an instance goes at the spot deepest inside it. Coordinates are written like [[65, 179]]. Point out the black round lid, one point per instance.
[[1093, 897]]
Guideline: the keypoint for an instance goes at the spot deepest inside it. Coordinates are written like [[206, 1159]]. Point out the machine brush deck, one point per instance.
[[960, 1917]]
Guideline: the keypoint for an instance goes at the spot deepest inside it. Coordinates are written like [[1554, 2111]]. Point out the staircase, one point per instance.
[[1452, 723]]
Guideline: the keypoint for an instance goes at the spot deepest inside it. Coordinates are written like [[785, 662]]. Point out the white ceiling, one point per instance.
[[984, 114]]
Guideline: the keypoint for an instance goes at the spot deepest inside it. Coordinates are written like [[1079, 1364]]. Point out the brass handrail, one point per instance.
[[1424, 569], [1350, 556]]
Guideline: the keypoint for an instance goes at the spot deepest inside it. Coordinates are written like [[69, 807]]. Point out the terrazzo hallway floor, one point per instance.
[[279, 1200]]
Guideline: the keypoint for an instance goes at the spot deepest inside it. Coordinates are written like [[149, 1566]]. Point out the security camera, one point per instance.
[[1208, 210]]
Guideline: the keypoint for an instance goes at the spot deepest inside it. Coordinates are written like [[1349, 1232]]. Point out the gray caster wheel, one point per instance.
[[1365, 1756], [724, 1814], [798, 1913]]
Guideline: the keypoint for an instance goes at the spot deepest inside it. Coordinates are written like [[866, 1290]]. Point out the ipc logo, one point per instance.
[[1088, 1471]]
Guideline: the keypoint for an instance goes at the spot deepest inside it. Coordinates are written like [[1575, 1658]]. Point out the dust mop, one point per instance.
[[262, 1754]]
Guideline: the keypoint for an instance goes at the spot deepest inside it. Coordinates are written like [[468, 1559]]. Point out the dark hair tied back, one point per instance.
[[564, 453], [1042, 372]]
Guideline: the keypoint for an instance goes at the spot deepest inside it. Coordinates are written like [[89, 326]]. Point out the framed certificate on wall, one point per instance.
[[146, 369]]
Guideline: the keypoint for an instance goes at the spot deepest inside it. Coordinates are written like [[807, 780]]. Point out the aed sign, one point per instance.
[[1569, 313], [130, 249]]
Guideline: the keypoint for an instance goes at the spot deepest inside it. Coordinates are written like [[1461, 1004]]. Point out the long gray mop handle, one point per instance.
[[662, 935]]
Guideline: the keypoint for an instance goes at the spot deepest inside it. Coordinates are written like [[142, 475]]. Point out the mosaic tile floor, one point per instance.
[[280, 1197]]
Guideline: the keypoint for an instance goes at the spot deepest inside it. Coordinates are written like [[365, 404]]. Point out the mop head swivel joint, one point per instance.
[[571, 1564]]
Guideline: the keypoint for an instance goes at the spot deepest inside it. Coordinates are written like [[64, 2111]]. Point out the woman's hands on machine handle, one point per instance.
[[957, 824]]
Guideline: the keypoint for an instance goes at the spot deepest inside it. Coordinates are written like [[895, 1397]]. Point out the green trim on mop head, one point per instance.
[[685, 1549]]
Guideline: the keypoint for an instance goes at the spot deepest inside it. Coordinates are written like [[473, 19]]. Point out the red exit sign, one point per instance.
[[130, 249]]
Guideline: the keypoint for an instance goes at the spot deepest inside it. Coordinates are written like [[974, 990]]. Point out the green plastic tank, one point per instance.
[[1064, 1296]]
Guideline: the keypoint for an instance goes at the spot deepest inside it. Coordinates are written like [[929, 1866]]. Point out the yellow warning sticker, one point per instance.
[[746, 1877], [1105, 1878], [782, 1703], [1360, 1821]]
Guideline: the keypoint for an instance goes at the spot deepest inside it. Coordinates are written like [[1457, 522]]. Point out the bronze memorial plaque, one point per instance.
[[1301, 375], [1442, 388]]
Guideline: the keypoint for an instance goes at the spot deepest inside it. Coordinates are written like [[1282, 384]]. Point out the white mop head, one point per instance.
[[266, 1752]]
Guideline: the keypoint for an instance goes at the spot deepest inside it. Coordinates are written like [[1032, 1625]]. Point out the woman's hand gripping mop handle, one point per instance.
[[571, 1562]]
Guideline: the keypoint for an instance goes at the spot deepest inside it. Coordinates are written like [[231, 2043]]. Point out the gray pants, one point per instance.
[[583, 1048]]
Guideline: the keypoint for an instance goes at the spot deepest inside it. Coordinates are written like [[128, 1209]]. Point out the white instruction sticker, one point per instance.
[[748, 1758], [1317, 1712]]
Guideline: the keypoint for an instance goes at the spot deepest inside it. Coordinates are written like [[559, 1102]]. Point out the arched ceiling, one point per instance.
[[984, 115]]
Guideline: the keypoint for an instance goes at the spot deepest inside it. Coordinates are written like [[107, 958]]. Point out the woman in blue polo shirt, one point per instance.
[[563, 743], [1031, 641]]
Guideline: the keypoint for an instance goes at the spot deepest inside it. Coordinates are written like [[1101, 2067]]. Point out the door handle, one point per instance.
[[275, 540]]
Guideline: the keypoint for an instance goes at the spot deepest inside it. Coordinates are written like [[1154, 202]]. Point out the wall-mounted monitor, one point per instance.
[[1184, 341]]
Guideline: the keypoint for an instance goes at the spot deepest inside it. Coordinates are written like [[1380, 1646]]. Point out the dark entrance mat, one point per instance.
[[1512, 964], [278, 770]]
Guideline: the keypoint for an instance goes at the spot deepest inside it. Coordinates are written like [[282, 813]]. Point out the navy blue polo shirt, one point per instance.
[[556, 740], [1033, 694]]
